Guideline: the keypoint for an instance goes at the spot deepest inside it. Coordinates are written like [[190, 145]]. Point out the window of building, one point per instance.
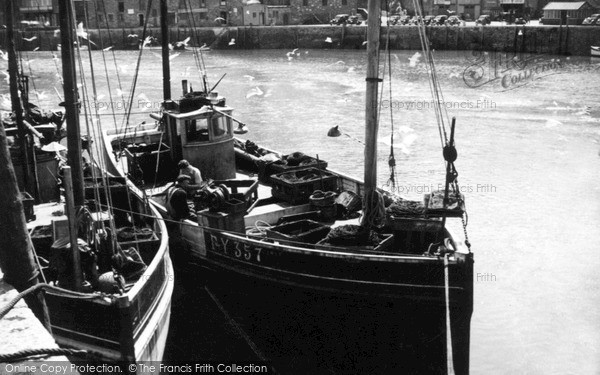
[[121, 6], [275, 14], [344, 2], [253, 14], [111, 17], [121, 18], [324, 3], [141, 4], [154, 13], [305, 3], [100, 19], [203, 16]]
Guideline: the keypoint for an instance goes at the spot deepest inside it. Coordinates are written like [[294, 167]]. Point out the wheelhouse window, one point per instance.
[[196, 130], [207, 129]]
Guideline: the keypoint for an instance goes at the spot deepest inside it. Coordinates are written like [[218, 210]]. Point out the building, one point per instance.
[[38, 12], [567, 13]]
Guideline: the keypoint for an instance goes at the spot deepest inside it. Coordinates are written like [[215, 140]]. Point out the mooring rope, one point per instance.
[[449, 357], [23, 354]]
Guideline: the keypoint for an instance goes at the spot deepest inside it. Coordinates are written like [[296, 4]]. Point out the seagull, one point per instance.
[[365, 43], [107, 49], [403, 138], [254, 92], [250, 78], [82, 33], [146, 41], [7, 76], [328, 40], [56, 33], [3, 55], [183, 43], [36, 48], [119, 92], [220, 19], [414, 60], [174, 56], [40, 94], [232, 42], [454, 75], [132, 36], [351, 69], [55, 58], [30, 39]]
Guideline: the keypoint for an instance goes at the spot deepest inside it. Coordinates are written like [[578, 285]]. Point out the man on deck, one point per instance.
[[185, 168]]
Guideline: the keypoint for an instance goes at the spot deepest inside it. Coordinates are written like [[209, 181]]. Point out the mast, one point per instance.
[[16, 255], [164, 30], [371, 125], [71, 99], [13, 68]]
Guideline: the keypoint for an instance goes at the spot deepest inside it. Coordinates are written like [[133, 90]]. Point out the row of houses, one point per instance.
[[199, 13]]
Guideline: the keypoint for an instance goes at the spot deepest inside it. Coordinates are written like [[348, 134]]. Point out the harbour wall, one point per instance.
[[571, 40]]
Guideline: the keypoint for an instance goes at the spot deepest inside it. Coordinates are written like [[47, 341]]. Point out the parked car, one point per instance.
[[340, 19], [403, 20], [353, 20], [393, 20], [415, 20], [520, 21], [483, 20], [591, 20], [454, 21], [428, 20], [439, 20]]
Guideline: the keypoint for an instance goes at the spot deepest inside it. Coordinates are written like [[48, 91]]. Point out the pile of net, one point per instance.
[[403, 207], [351, 235], [293, 177]]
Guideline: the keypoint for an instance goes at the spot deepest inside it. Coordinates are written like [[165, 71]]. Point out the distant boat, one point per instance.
[[595, 51], [116, 303]]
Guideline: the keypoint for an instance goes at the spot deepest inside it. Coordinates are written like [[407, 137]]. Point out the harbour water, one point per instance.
[[528, 137]]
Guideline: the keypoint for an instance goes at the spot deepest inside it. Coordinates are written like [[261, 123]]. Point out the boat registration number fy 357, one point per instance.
[[235, 249]]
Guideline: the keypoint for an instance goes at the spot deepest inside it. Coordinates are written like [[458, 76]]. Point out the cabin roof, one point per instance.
[[204, 110], [565, 6]]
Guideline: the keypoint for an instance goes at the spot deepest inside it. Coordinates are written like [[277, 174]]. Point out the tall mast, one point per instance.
[[164, 30], [371, 124], [16, 256], [13, 68], [71, 99]]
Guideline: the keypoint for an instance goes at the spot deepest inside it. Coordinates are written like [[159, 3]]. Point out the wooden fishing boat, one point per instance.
[[595, 51], [112, 298], [264, 221]]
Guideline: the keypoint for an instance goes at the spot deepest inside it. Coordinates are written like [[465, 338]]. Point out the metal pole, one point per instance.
[[71, 99], [371, 125], [164, 30], [13, 68]]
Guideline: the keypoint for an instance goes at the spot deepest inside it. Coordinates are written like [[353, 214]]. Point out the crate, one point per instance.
[[412, 233], [385, 246], [306, 231], [28, 201], [297, 186], [240, 190], [266, 170]]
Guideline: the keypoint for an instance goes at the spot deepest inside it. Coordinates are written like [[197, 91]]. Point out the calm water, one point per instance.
[[528, 163]]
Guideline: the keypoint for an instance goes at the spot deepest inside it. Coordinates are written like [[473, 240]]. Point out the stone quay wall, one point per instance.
[[572, 40]]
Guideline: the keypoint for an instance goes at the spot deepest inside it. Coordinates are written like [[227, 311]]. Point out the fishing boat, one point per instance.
[[595, 51], [111, 299], [262, 221]]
